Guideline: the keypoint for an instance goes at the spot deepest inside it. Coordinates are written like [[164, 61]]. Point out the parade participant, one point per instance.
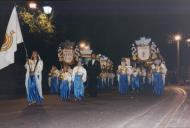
[[129, 74], [53, 79], [111, 77], [70, 70], [79, 77], [65, 80], [135, 82], [163, 72], [143, 75], [103, 79], [34, 67], [157, 80], [94, 71], [122, 78]]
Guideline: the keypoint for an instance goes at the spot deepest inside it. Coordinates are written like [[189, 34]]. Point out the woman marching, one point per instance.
[[34, 67], [157, 83], [135, 82], [65, 80], [79, 77], [122, 78], [53, 80]]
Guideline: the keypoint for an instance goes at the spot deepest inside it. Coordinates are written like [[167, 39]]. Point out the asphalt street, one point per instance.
[[108, 110]]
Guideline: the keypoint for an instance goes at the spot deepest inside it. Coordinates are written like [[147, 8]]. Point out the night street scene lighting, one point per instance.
[[94, 64]]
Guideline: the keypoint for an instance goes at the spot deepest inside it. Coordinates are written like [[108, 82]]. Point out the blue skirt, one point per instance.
[[158, 86], [33, 94], [78, 87], [64, 90], [135, 82], [123, 84], [54, 85]]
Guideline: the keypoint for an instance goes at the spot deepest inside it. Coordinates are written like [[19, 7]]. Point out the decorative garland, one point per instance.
[[36, 20]]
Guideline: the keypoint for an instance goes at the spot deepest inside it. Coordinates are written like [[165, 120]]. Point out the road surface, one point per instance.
[[109, 110]]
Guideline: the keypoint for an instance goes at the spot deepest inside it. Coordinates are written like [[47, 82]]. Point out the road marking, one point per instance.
[[141, 114], [177, 90], [163, 123]]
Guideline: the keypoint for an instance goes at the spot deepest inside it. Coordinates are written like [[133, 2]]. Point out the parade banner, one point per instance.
[[144, 50], [13, 37]]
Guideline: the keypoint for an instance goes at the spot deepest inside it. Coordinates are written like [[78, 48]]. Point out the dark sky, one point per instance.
[[112, 25]]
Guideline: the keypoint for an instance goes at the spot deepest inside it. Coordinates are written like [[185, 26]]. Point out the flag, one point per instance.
[[13, 37]]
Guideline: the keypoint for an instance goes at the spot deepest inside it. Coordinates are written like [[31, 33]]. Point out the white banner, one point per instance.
[[13, 37]]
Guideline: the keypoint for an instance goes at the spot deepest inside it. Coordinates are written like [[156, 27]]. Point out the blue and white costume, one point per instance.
[[135, 82], [143, 77], [103, 78], [158, 86], [65, 80], [79, 77], [163, 71], [111, 77], [122, 79], [129, 74], [54, 81], [33, 80]]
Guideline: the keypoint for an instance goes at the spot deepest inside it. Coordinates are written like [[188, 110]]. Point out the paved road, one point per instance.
[[109, 110]]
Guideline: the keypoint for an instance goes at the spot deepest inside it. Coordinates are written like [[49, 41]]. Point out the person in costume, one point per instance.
[[33, 81], [79, 77], [163, 72], [135, 81], [143, 75], [122, 78], [94, 71], [65, 82], [129, 75], [103, 79], [157, 82], [111, 77], [53, 80]]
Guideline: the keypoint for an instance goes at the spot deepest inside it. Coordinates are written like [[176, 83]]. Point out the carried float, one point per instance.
[[145, 52]]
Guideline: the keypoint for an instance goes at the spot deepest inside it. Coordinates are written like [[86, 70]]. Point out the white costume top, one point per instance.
[[111, 75], [122, 69], [129, 70], [65, 76], [79, 70], [30, 65], [163, 68], [54, 73]]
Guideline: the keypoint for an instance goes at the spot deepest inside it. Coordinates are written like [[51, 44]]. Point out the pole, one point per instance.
[[178, 60]]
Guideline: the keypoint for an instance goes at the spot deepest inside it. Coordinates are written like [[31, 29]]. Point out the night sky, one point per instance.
[[112, 25]]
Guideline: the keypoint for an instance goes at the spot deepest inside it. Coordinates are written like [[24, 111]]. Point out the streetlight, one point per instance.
[[188, 42], [33, 5], [177, 38], [82, 45], [47, 9]]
